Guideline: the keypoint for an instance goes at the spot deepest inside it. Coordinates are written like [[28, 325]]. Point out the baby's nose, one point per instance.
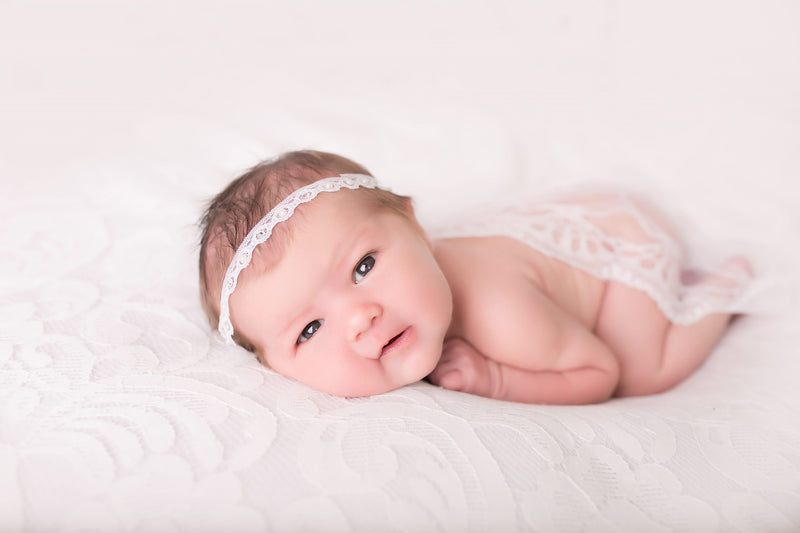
[[362, 318]]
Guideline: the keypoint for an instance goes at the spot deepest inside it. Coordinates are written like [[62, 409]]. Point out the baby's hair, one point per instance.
[[233, 212]]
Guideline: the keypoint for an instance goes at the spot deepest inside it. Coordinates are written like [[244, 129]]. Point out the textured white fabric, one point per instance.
[[614, 237], [121, 410], [263, 230]]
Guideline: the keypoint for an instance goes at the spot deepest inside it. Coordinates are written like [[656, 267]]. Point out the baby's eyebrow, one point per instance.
[[346, 252], [290, 324]]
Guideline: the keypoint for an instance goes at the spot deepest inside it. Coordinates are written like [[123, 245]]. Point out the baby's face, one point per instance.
[[356, 306]]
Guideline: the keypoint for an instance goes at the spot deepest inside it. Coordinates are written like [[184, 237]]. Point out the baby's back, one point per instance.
[[501, 283], [549, 293]]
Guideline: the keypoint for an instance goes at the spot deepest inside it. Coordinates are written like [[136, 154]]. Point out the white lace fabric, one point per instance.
[[614, 237], [263, 229], [118, 413]]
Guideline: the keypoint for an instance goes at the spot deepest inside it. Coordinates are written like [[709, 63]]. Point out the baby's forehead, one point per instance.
[[333, 214], [342, 207], [326, 221]]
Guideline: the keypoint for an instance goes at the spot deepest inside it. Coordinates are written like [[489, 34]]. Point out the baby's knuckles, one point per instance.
[[462, 368]]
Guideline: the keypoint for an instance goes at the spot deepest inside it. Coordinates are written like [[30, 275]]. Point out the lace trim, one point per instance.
[[612, 238], [263, 229]]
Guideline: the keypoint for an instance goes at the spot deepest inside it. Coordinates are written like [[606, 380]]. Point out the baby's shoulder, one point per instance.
[[500, 283], [471, 263], [491, 278], [507, 302]]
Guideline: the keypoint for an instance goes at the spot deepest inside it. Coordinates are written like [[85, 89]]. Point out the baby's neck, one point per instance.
[[449, 258]]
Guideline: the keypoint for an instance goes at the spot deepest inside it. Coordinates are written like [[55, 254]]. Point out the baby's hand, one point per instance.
[[462, 368]]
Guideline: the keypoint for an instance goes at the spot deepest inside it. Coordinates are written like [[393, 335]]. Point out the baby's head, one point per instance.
[[344, 295]]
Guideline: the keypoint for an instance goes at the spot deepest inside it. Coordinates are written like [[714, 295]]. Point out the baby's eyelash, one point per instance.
[[309, 331], [364, 266]]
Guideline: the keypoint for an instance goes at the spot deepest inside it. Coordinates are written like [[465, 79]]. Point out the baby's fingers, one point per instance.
[[455, 372], [451, 378]]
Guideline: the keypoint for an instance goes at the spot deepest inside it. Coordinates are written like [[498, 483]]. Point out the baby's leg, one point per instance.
[[654, 353]]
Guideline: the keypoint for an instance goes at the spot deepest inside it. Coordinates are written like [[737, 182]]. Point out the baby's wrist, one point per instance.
[[496, 381]]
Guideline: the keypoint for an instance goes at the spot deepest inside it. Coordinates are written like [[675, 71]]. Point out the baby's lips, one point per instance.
[[397, 341]]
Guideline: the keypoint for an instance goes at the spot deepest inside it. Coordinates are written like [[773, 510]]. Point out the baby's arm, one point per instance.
[[464, 369], [543, 355]]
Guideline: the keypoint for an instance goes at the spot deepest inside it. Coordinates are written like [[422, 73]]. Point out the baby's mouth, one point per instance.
[[394, 342]]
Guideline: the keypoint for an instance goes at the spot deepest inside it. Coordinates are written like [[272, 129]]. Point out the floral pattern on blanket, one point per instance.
[[121, 411]]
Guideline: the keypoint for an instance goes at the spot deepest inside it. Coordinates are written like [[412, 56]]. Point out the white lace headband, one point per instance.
[[262, 231]]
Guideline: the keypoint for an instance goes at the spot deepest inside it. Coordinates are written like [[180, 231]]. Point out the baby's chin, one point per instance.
[[365, 390], [392, 372]]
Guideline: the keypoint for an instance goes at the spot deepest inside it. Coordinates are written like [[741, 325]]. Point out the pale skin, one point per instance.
[[571, 339], [361, 302]]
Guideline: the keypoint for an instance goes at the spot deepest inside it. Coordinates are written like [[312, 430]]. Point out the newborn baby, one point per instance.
[[330, 280]]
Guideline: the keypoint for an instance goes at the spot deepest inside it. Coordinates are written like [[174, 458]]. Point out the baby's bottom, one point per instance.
[[654, 353]]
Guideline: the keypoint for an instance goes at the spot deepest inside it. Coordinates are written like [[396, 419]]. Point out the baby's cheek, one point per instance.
[[337, 374], [427, 290]]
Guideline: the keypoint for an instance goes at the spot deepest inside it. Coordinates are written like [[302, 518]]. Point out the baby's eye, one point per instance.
[[309, 331], [363, 268]]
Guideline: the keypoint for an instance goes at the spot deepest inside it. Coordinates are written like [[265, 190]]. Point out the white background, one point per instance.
[[118, 120]]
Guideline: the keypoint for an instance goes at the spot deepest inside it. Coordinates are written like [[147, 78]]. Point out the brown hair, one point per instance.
[[233, 212]]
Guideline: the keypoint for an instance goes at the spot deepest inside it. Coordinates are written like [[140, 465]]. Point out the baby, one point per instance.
[[330, 280]]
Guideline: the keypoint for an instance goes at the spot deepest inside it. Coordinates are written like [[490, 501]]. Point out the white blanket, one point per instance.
[[121, 411]]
